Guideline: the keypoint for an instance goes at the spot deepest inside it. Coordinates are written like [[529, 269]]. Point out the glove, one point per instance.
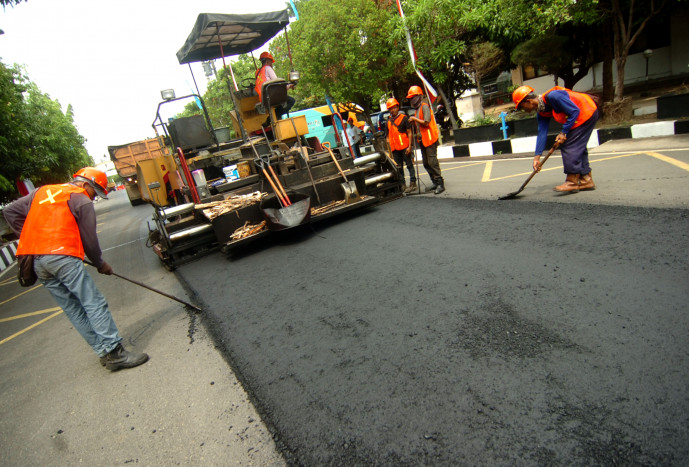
[[105, 268]]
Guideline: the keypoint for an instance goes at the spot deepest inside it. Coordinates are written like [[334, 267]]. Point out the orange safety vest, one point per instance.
[[50, 228], [586, 107], [260, 79], [398, 139], [429, 133]]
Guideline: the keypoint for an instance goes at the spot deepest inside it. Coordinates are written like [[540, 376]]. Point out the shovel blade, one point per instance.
[[350, 192], [510, 195]]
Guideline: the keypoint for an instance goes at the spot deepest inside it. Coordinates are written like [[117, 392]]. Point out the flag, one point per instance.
[[431, 93]]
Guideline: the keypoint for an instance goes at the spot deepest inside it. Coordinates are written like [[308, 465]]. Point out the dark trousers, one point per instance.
[[575, 154], [283, 109], [429, 156], [402, 159]]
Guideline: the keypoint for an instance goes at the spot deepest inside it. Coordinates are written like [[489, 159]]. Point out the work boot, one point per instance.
[[412, 188], [586, 182], [432, 187], [119, 358], [440, 188], [571, 184]]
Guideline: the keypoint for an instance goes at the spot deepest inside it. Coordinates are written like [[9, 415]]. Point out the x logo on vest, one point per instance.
[[50, 197]]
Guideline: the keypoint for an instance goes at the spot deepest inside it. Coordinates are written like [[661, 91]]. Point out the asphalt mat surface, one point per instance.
[[448, 331]]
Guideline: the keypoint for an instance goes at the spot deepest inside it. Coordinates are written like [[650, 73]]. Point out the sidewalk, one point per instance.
[[644, 124]]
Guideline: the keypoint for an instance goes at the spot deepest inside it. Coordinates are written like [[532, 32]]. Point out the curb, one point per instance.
[[598, 137], [8, 255]]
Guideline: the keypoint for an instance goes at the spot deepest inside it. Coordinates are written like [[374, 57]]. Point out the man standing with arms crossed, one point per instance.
[[427, 135], [57, 225], [399, 137]]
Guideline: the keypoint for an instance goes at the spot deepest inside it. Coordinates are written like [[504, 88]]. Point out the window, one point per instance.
[[531, 72]]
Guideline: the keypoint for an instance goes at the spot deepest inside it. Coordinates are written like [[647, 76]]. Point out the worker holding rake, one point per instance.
[[578, 114]]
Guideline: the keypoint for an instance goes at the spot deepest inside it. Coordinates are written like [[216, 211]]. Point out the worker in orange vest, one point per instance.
[[578, 114], [427, 135], [399, 137], [57, 225], [266, 73]]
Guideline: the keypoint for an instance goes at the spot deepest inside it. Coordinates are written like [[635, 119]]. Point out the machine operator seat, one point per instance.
[[274, 93]]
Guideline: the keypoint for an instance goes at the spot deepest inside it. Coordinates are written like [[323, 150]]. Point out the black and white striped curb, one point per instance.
[[599, 136], [8, 254]]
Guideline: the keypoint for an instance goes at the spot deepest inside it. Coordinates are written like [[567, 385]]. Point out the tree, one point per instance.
[[626, 29], [217, 97], [344, 49], [486, 58], [568, 54], [12, 3], [37, 140]]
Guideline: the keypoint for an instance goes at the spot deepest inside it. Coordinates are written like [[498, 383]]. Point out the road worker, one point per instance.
[[57, 225], [266, 73], [400, 137], [578, 114], [427, 136]]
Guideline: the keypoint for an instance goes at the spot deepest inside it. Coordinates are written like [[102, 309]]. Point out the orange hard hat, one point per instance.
[[94, 177], [391, 103], [266, 55], [520, 93], [414, 91]]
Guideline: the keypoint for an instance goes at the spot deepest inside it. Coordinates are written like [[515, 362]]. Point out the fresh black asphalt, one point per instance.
[[444, 331]]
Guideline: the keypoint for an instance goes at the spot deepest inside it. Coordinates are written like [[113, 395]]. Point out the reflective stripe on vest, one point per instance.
[[260, 79], [50, 228], [583, 101], [398, 139], [429, 133]]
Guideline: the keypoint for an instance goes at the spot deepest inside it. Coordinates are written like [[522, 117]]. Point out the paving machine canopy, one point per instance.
[[238, 34]]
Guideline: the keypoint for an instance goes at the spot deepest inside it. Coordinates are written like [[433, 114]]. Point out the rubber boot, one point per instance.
[[586, 182], [571, 184], [119, 358], [412, 188]]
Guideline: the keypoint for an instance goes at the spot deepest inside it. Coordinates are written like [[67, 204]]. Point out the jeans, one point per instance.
[[73, 289]]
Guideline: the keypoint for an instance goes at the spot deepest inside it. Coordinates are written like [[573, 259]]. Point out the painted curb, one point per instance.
[[8, 254], [599, 136]]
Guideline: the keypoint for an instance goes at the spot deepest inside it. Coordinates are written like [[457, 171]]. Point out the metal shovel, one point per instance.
[[350, 190], [514, 194]]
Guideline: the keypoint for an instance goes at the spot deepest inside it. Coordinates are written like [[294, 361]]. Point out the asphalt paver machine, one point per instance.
[[266, 181]]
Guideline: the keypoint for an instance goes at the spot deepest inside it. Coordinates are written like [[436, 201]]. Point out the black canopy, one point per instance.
[[238, 33]]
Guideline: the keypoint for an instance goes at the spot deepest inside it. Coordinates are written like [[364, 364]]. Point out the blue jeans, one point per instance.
[[73, 289]]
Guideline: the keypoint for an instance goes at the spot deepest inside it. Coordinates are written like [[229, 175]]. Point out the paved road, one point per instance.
[[448, 330], [60, 407], [434, 329]]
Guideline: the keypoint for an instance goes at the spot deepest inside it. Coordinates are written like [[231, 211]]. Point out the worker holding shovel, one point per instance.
[[427, 136], [399, 137], [578, 114]]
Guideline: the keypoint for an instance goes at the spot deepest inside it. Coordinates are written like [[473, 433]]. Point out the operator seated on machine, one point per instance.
[[264, 74]]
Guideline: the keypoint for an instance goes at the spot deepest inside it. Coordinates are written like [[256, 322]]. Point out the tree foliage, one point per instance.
[[37, 140], [344, 49]]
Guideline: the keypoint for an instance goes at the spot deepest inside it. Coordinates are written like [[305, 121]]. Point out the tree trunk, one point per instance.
[[606, 48], [624, 38]]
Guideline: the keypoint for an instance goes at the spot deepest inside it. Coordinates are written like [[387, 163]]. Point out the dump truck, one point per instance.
[[126, 157]]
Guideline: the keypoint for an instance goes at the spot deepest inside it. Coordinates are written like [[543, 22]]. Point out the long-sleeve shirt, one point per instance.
[[81, 207], [559, 102]]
